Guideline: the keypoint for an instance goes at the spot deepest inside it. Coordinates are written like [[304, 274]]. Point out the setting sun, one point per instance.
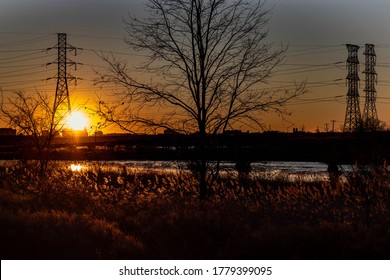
[[77, 120]]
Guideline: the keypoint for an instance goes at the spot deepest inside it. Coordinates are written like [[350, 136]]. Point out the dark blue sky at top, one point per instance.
[[94, 17], [331, 21]]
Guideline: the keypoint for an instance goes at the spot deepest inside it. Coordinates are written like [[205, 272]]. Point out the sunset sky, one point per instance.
[[315, 31]]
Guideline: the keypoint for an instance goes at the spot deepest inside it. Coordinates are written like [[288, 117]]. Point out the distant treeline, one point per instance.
[[325, 147]]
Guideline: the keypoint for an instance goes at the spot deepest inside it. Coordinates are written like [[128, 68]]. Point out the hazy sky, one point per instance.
[[316, 32]]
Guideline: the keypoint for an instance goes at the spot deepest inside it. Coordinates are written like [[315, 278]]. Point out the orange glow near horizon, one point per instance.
[[77, 120]]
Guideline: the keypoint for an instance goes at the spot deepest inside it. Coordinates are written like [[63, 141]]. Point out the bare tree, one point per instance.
[[33, 115], [208, 60]]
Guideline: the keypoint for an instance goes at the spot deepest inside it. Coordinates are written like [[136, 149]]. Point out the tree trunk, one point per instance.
[[203, 164], [202, 179]]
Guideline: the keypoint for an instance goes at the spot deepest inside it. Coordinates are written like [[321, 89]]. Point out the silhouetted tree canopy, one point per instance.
[[210, 62], [33, 115]]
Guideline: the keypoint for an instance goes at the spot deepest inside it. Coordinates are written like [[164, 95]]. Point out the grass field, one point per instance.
[[111, 212]]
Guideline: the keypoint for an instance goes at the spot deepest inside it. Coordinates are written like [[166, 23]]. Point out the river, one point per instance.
[[288, 170]]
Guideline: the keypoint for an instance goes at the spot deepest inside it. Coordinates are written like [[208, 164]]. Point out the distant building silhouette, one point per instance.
[[232, 132], [7, 131], [98, 133], [171, 132], [69, 133]]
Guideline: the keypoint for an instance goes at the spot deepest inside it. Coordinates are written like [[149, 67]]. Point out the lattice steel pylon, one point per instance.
[[370, 115], [352, 121], [61, 106]]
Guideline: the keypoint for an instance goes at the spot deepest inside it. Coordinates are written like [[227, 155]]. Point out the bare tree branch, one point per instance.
[[209, 61], [32, 115]]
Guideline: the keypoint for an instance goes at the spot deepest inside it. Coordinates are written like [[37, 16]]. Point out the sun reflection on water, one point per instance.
[[76, 167]]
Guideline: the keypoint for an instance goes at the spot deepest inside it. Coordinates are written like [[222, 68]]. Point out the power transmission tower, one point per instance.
[[352, 121], [61, 106], [370, 116]]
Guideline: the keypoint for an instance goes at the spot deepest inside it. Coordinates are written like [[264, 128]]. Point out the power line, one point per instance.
[[26, 33], [26, 55], [19, 56], [22, 65], [22, 82], [24, 50], [25, 41], [95, 36], [23, 74], [314, 52], [113, 52], [25, 59], [302, 101], [304, 71]]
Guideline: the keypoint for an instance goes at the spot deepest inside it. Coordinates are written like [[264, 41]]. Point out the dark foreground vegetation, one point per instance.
[[113, 212]]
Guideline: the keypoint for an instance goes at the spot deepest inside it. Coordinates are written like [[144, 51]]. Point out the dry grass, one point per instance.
[[111, 212]]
